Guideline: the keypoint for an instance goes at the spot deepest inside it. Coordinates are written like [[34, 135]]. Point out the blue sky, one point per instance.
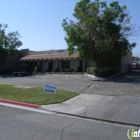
[[39, 21]]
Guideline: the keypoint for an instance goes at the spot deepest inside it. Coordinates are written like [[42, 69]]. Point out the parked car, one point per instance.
[[134, 64], [22, 69]]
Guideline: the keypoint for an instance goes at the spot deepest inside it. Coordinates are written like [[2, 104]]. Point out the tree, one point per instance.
[[100, 32], [8, 42]]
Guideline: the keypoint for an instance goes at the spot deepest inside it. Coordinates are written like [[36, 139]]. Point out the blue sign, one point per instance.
[[50, 89]]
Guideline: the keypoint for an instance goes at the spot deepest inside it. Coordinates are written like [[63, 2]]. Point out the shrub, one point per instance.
[[36, 69], [57, 70], [101, 72], [61, 70], [68, 70], [45, 70], [90, 70], [49, 70], [53, 70], [71, 70], [104, 72], [75, 69]]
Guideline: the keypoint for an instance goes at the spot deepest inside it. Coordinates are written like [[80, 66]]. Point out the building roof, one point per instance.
[[49, 56], [62, 51]]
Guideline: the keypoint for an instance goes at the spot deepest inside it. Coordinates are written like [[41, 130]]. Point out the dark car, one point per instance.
[[22, 69]]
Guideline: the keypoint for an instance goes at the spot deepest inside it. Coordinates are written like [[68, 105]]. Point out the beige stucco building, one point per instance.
[[54, 59]]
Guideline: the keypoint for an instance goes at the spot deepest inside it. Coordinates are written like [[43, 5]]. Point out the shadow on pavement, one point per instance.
[[124, 84], [132, 77], [11, 75]]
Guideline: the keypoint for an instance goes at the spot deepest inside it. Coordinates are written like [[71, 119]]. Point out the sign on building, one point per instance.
[[50, 89]]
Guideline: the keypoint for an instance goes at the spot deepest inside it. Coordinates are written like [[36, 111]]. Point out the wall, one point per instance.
[[74, 63], [59, 64], [44, 65], [125, 60], [55, 64], [24, 52]]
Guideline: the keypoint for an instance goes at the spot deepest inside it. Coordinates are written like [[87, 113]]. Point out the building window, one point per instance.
[[65, 64]]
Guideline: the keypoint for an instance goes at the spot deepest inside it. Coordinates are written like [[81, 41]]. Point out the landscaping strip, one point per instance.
[[34, 95]]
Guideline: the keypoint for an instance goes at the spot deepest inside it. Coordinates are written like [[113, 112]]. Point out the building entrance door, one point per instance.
[[50, 66]]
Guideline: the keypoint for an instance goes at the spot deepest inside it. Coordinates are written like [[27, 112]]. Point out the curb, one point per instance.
[[100, 78], [92, 76], [95, 119], [20, 103]]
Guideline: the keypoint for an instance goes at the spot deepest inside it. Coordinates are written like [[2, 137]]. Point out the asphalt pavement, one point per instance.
[[20, 124], [127, 84], [115, 100], [74, 82]]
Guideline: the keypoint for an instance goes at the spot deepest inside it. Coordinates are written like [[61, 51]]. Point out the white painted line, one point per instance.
[[27, 108]]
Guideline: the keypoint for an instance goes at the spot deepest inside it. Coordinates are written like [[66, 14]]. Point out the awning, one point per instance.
[[48, 57]]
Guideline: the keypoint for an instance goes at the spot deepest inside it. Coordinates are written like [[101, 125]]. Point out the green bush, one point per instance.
[[36, 69], [90, 70], [45, 70], [104, 72], [75, 69], [53, 70], [61, 70], [57, 70], [68, 70], [71, 70]]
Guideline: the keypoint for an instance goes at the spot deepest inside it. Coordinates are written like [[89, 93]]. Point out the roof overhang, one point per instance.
[[49, 57]]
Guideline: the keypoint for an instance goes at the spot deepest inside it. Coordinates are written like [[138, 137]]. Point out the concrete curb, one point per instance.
[[92, 76], [102, 79], [95, 119], [20, 103]]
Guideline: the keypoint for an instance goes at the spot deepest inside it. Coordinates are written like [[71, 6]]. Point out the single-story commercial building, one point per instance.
[[56, 59], [59, 59]]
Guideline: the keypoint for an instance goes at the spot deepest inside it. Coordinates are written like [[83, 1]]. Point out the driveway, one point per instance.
[[74, 82]]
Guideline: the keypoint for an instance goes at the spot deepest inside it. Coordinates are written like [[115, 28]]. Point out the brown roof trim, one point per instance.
[[48, 57]]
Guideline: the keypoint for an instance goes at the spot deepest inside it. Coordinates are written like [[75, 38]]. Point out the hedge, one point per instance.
[[101, 72], [90, 70]]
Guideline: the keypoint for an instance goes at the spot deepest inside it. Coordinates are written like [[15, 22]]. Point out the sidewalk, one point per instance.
[[122, 109]]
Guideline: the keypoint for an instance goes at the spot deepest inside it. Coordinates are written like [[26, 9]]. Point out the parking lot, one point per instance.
[[74, 82], [127, 84]]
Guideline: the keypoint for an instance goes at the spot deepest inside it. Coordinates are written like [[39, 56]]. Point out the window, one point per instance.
[[65, 64]]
